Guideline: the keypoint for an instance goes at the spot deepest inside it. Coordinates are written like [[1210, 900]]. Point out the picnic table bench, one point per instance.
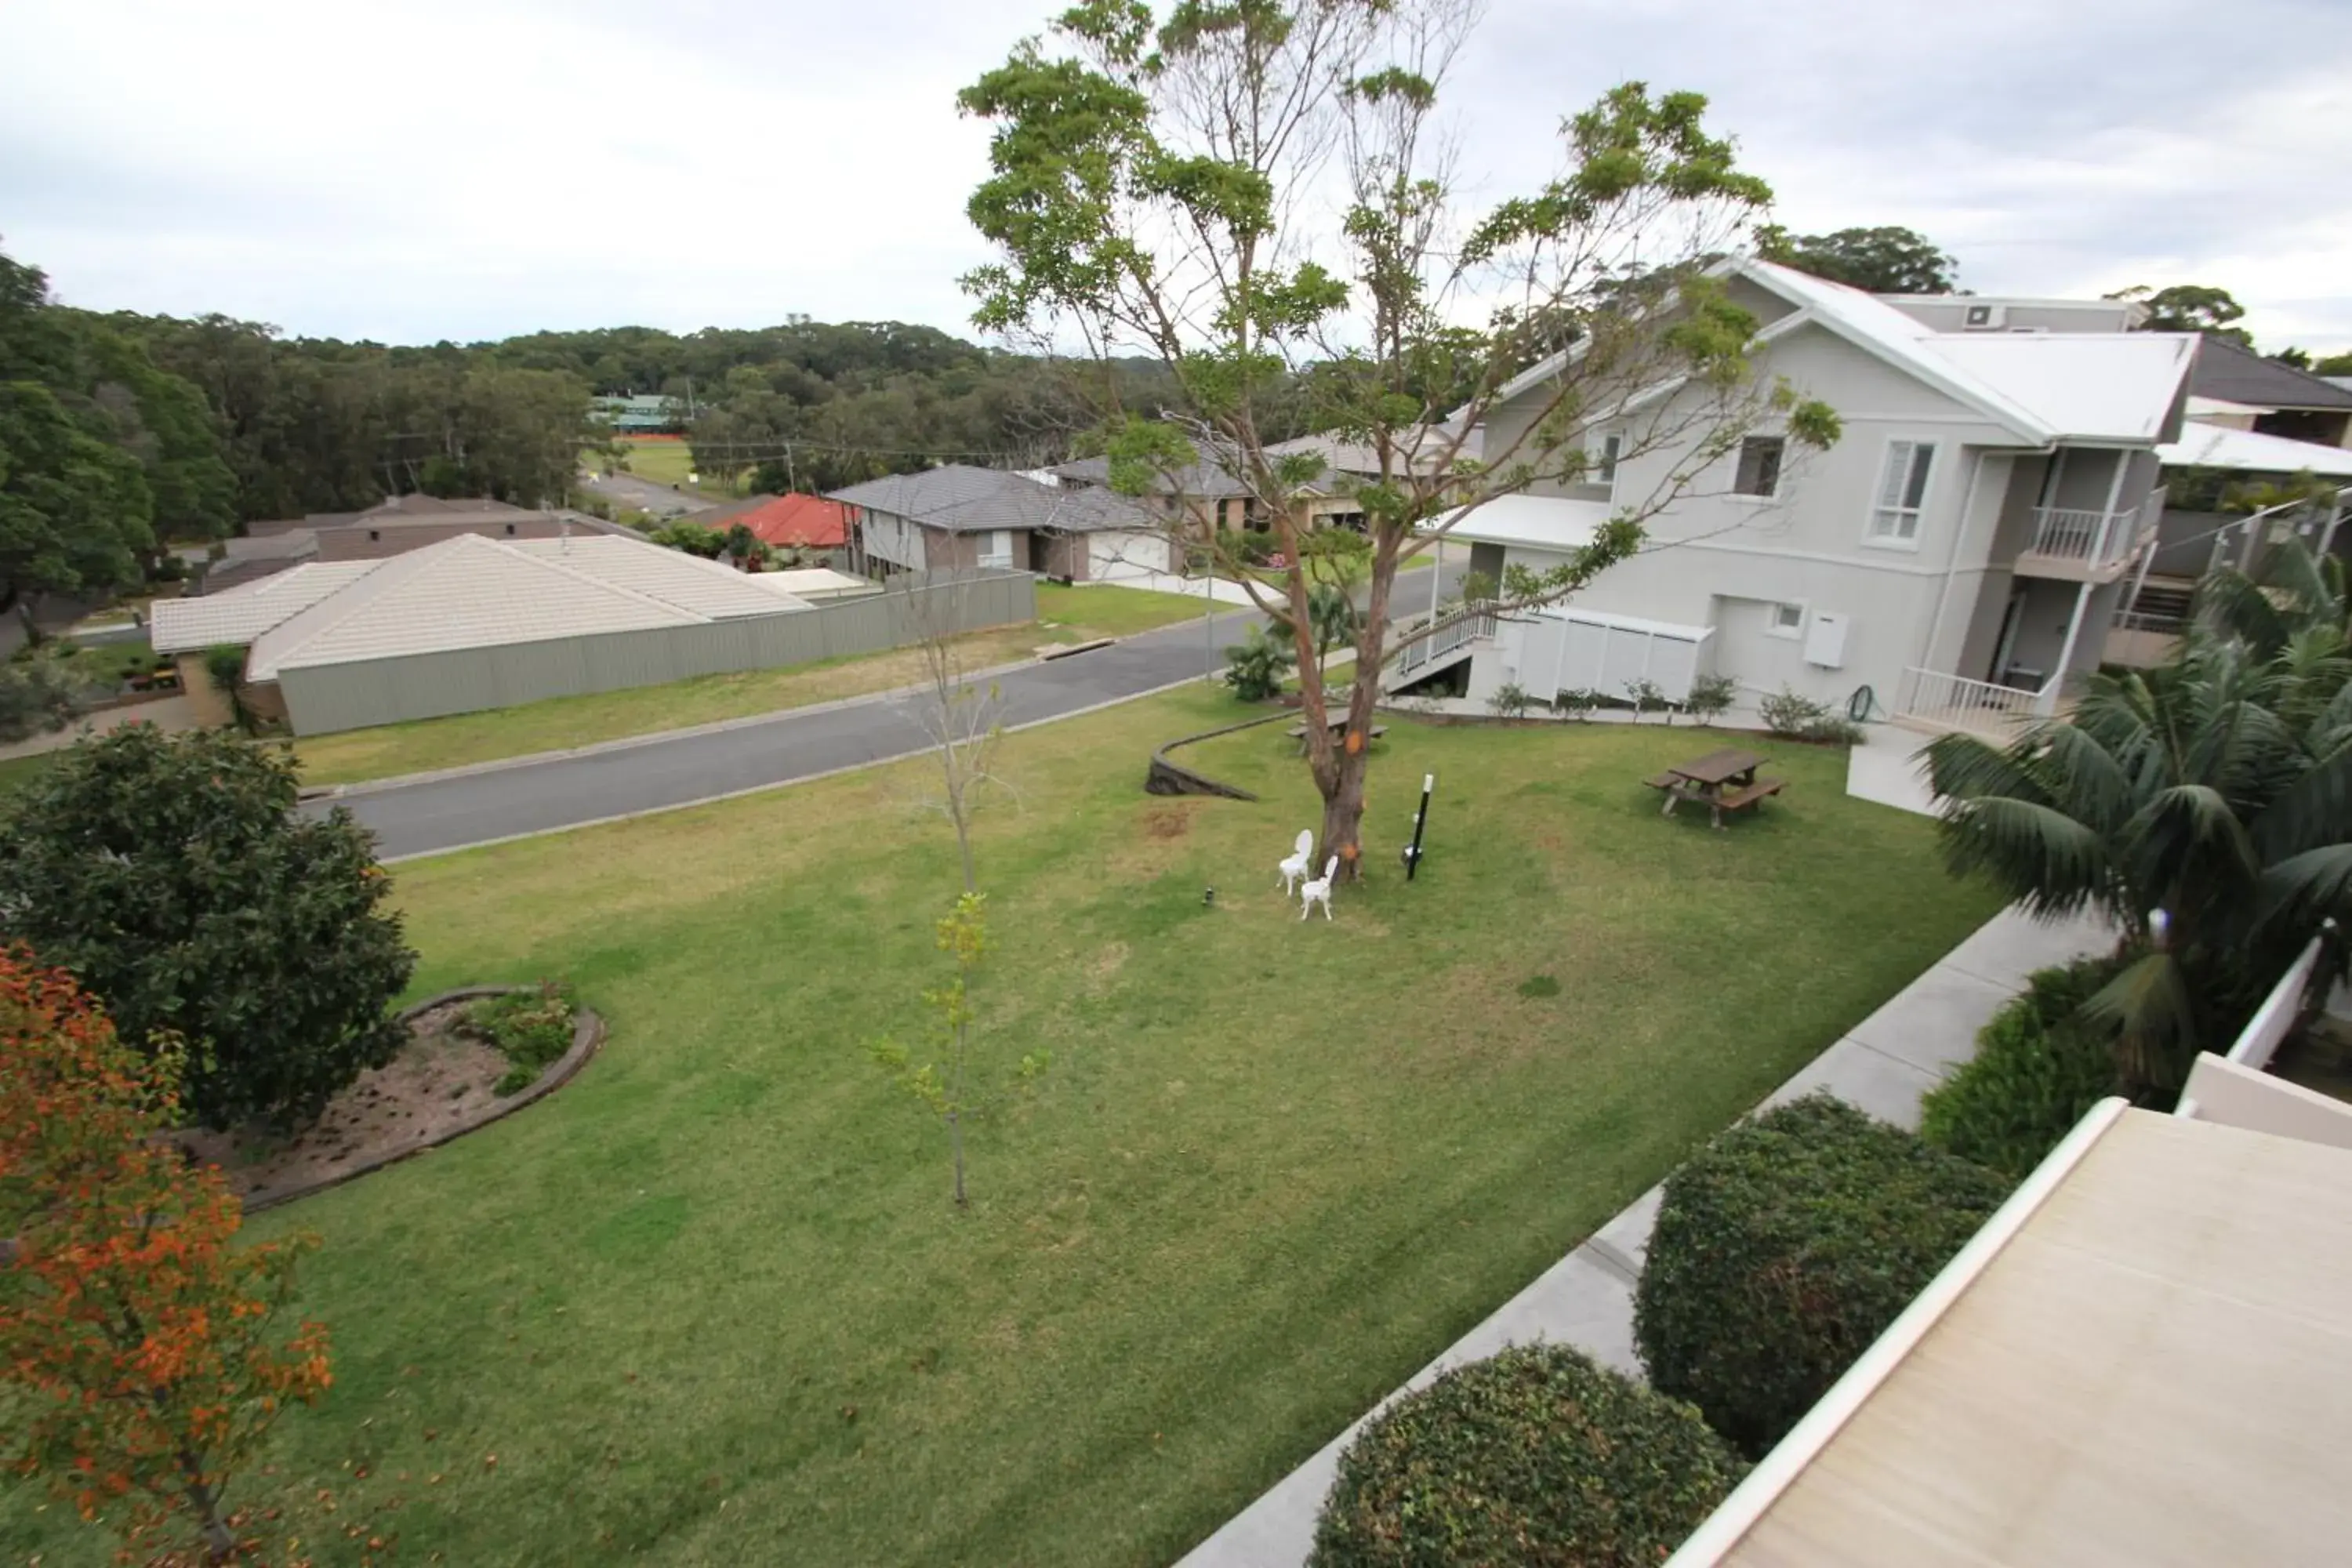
[[1721, 781], [1335, 721]]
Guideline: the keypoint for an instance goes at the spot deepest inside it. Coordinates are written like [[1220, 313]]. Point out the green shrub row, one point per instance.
[[2039, 1067], [1535, 1457]]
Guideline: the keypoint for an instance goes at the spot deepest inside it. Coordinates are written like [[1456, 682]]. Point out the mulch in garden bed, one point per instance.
[[439, 1084]]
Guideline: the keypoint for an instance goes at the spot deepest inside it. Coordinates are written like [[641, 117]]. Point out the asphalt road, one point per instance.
[[629, 490], [434, 815]]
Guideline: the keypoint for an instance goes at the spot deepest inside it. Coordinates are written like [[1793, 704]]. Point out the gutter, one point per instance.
[[1730, 1524]]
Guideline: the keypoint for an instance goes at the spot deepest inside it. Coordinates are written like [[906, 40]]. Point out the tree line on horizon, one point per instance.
[[123, 434]]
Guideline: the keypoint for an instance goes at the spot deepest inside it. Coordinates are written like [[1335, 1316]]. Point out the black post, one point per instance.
[[1420, 821]]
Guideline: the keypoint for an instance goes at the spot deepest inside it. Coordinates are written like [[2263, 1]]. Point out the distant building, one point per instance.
[[786, 521], [646, 414], [959, 516], [391, 527]]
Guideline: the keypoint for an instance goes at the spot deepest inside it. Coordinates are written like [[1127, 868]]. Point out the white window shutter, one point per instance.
[[1893, 478]]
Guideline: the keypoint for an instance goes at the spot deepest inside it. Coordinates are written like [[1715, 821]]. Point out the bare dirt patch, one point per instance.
[[1168, 821], [440, 1083]]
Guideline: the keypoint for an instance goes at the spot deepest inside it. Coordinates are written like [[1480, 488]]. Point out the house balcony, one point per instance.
[[1935, 703], [1425, 657], [2088, 546]]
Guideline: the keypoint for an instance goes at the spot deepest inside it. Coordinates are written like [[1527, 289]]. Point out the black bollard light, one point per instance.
[[1420, 821]]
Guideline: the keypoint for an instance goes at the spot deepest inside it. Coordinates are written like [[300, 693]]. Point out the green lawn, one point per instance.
[[669, 463], [710, 1305], [1065, 616], [16, 771]]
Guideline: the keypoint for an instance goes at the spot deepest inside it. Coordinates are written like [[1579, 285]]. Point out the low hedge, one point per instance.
[[1537, 1457], [1783, 1249], [2039, 1067]]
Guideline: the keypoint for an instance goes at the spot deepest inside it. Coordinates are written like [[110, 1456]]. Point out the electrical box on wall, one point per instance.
[[1825, 638]]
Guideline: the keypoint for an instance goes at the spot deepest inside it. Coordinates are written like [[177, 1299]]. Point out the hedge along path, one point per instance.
[[587, 1036]]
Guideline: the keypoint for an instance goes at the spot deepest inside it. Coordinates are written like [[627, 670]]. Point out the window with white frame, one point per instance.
[[1759, 466], [1902, 488], [996, 547], [1787, 620], [1604, 463]]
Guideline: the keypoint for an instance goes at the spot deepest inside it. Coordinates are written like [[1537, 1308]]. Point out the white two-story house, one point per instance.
[[1959, 550]]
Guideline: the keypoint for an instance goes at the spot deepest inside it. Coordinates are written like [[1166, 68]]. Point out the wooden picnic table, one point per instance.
[[1723, 780], [1333, 720]]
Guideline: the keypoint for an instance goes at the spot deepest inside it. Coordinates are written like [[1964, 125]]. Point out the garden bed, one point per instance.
[[444, 1083]]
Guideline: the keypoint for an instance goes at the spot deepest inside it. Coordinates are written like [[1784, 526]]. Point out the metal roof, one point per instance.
[[2043, 388], [2143, 1359], [1539, 522], [2219, 446]]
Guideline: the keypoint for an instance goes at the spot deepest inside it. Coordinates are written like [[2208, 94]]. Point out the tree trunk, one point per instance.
[[219, 1545], [955, 1145]]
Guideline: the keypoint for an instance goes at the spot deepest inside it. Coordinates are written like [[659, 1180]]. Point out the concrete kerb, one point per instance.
[[587, 1036]]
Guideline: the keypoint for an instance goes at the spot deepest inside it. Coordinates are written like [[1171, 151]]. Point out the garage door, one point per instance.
[[1114, 555]]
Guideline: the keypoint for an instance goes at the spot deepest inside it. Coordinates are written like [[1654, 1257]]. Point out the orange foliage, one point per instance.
[[136, 1340]]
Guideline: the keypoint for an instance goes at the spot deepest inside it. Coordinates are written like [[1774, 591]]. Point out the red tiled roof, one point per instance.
[[809, 521]]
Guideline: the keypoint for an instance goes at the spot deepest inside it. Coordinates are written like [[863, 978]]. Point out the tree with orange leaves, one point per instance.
[[138, 1358]]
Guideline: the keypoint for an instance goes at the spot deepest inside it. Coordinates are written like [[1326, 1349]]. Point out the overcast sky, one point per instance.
[[412, 170]]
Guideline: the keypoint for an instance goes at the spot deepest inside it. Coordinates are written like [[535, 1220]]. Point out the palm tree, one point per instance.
[[2204, 808]]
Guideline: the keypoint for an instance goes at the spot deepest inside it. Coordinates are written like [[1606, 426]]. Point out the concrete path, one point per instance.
[[478, 806], [1886, 768], [1884, 1066], [164, 712]]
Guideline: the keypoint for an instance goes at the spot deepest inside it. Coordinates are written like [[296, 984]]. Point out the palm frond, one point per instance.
[[2151, 1008], [2032, 851], [2305, 888]]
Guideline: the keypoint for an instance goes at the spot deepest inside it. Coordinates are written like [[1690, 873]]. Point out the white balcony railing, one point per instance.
[[2097, 538], [1956, 702], [1461, 634]]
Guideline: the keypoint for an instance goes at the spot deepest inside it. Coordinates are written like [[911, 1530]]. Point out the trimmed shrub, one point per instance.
[[1509, 700], [1783, 1249], [2039, 1067], [1255, 666], [1535, 1457]]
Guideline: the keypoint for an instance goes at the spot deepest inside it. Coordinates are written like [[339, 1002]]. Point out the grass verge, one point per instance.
[[711, 1305]]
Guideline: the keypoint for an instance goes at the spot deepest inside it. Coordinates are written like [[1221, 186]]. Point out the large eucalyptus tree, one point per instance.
[[1250, 191]]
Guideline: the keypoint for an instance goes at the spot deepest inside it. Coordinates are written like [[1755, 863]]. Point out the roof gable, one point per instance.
[[2225, 370]]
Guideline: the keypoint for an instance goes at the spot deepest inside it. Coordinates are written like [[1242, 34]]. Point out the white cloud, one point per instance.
[[415, 169]]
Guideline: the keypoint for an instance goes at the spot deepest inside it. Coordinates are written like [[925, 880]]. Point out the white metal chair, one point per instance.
[[1318, 890], [1301, 855]]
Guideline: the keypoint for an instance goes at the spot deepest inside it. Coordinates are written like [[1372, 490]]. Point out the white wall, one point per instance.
[[894, 539]]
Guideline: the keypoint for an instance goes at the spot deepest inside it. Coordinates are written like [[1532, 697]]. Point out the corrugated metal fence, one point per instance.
[[327, 696]]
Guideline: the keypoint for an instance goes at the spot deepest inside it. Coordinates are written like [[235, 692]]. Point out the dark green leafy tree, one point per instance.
[[73, 507], [2333, 365], [2190, 308], [171, 874], [1888, 260], [1150, 194]]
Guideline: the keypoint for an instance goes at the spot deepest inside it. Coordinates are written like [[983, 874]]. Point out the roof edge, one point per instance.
[[1729, 1525]]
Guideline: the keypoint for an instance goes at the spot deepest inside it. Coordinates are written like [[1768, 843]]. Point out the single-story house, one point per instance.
[[959, 516], [793, 522], [1205, 493], [465, 593]]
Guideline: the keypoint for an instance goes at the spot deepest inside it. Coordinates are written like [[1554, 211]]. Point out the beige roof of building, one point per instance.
[[239, 615], [471, 592], [705, 588], [2154, 1367]]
